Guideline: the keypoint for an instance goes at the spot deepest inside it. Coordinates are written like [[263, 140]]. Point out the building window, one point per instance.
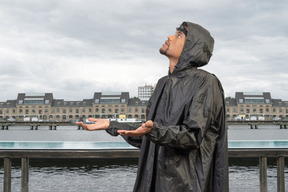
[[20, 102], [240, 100]]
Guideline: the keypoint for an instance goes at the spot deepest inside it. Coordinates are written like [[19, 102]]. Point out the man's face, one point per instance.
[[173, 47]]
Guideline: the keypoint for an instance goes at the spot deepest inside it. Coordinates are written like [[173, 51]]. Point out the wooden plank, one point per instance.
[[7, 174], [263, 174], [280, 175], [25, 174]]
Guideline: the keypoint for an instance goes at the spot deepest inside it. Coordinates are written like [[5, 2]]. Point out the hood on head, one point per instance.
[[197, 49]]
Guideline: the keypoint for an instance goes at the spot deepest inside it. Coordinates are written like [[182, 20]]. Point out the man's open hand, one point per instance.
[[100, 124], [142, 130]]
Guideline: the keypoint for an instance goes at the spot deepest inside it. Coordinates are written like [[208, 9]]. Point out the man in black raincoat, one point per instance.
[[184, 141]]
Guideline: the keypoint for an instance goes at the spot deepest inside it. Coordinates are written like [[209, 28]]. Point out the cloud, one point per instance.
[[75, 48]]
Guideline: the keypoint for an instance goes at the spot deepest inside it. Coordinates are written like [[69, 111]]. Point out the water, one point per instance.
[[119, 175], [75, 176]]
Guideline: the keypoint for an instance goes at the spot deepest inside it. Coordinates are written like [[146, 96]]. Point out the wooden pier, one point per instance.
[[34, 125], [256, 124]]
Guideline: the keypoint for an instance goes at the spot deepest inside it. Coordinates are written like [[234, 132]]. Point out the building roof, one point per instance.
[[230, 102], [137, 102], [253, 97], [111, 97]]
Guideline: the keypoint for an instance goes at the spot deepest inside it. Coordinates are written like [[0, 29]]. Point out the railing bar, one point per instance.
[[263, 174], [280, 175], [25, 174], [7, 174]]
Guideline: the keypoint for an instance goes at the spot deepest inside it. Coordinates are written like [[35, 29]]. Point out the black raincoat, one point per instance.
[[186, 150]]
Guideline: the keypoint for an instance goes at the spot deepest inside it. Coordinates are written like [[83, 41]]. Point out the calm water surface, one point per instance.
[[119, 176]]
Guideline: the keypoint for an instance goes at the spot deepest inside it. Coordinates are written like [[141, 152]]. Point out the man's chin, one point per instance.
[[163, 51]]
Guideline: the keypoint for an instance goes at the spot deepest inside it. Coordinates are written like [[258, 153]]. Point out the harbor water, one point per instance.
[[89, 175]]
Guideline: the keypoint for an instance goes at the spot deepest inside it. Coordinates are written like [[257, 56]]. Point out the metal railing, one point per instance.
[[25, 155]]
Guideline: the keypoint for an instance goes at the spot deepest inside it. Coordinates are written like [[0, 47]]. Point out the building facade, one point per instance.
[[43, 107], [256, 106], [145, 92]]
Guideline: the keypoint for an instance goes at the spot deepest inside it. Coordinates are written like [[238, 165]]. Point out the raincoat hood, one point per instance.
[[197, 49]]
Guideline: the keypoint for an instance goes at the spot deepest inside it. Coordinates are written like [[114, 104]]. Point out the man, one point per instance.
[[184, 141]]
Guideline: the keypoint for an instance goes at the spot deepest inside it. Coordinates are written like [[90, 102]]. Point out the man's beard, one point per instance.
[[163, 51]]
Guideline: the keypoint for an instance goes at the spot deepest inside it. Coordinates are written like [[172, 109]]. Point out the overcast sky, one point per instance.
[[73, 48]]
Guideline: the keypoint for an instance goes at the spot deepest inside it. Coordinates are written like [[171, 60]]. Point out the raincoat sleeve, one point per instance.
[[201, 119], [115, 126]]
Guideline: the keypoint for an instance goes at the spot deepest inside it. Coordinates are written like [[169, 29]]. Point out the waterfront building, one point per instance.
[[43, 107], [145, 92], [256, 106], [118, 105]]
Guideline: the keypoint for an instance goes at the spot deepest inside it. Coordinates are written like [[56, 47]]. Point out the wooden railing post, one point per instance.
[[280, 175], [25, 174], [263, 174], [7, 174]]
